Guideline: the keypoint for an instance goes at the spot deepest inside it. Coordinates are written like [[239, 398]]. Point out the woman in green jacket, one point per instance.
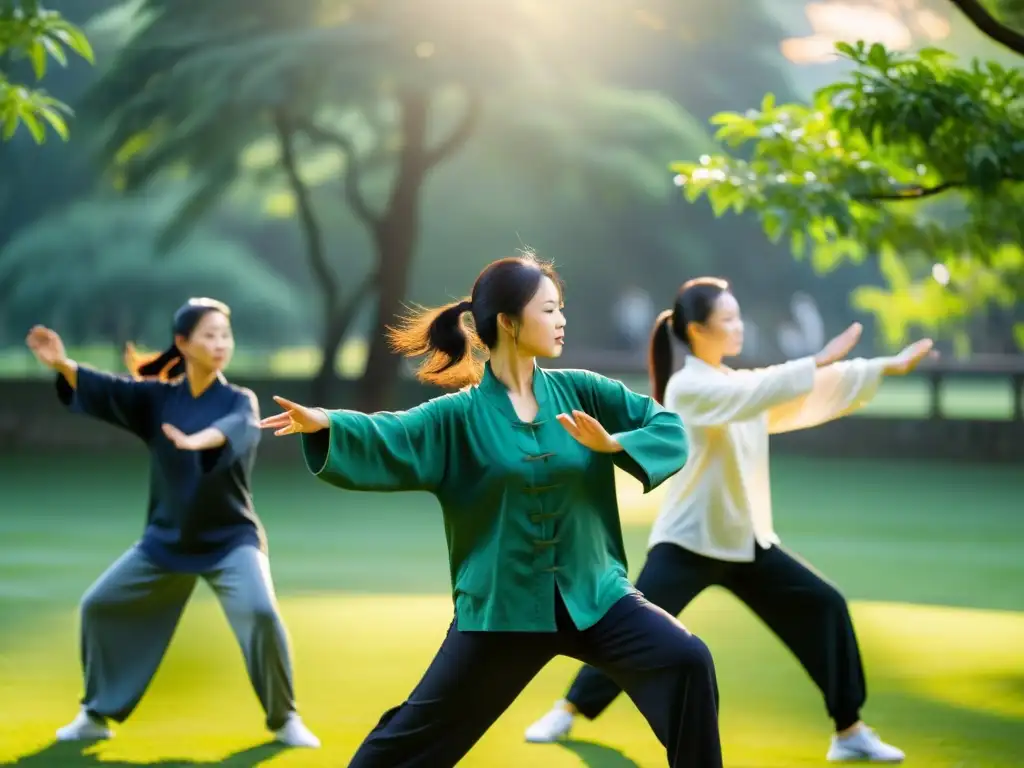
[[522, 461]]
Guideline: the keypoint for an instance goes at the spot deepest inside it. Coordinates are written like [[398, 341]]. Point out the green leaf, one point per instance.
[[1018, 334], [10, 123], [846, 50], [28, 117], [56, 51], [774, 221], [76, 40], [935, 55], [878, 57], [55, 120], [37, 55], [727, 118], [798, 243], [984, 168]]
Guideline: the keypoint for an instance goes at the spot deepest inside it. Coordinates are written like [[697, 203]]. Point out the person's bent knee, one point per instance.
[[93, 603], [692, 655], [832, 601], [264, 615]]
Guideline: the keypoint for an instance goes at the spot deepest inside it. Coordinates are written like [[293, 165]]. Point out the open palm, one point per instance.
[[46, 345], [910, 357], [840, 346], [588, 431], [295, 419]]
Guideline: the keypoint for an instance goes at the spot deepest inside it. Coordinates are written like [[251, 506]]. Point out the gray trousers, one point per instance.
[[129, 615]]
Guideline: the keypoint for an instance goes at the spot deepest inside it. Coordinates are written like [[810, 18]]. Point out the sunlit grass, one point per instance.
[[931, 682], [362, 583]]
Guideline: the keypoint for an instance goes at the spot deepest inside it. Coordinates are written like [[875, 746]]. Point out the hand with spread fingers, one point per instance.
[[840, 346], [47, 346], [588, 431], [910, 357], [205, 439], [295, 419]]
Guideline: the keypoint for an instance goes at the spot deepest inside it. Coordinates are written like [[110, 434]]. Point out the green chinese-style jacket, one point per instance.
[[526, 507]]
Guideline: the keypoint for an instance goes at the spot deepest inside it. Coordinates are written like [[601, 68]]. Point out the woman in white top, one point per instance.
[[715, 525]]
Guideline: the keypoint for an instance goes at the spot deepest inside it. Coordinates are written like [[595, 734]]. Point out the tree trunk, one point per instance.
[[336, 318], [395, 232], [396, 241], [335, 328], [330, 343]]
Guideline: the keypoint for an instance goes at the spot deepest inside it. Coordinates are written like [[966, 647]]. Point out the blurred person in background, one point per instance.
[[715, 526], [202, 434], [522, 462], [633, 313]]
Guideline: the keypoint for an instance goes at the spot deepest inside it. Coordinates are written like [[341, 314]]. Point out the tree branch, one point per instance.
[[987, 23], [461, 133], [353, 171], [344, 318], [310, 224], [919, 193]]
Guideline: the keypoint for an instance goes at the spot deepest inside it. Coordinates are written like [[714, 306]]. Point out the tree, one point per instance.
[[27, 30], [910, 159], [123, 289], [396, 87]]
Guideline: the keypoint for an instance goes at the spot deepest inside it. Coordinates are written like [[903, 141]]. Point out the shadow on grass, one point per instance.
[[594, 755], [82, 754]]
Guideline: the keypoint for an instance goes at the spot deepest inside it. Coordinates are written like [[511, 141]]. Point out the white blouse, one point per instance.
[[719, 504]]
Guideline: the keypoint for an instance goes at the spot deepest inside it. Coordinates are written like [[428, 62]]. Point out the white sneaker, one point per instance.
[[555, 725], [863, 746], [294, 733], [84, 727]]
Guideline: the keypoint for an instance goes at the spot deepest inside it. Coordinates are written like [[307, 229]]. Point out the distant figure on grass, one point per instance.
[[715, 525], [202, 434], [522, 462]]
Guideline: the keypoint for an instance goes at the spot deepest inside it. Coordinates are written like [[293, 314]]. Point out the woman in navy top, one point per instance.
[[202, 434]]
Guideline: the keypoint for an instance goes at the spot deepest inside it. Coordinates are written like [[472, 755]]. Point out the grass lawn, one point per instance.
[[931, 556]]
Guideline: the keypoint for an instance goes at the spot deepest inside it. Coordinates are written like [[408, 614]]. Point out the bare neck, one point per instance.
[[200, 379], [709, 356], [513, 370]]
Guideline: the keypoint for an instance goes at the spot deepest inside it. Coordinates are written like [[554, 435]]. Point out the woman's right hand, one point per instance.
[[908, 359], [840, 346], [47, 347], [296, 418]]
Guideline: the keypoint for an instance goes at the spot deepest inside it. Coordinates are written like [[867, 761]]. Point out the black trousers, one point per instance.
[[475, 676], [805, 611]]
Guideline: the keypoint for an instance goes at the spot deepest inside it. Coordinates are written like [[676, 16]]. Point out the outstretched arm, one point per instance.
[[842, 388], [839, 389], [388, 451], [117, 400], [722, 398], [716, 400]]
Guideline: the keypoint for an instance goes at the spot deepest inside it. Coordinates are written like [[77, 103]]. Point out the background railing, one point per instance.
[[962, 411], [985, 387]]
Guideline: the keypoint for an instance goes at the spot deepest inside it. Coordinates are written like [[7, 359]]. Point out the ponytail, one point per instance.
[[659, 356], [162, 366], [170, 364], [442, 335]]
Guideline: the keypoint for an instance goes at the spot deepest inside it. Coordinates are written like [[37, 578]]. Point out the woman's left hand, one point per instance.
[[588, 431], [200, 441]]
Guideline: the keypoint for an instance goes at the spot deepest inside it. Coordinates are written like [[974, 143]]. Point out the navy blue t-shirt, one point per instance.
[[200, 502]]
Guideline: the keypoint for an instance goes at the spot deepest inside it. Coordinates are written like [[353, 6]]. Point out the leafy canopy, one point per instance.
[[202, 83], [29, 31], [911, 159]]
